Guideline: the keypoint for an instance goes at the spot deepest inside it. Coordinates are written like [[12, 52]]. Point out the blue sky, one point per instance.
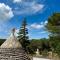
[[12, 12]]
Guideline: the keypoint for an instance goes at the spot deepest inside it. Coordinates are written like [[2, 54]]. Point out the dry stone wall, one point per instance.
[[13, 54]]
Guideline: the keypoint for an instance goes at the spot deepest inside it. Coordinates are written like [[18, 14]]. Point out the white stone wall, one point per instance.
[[36, 58]]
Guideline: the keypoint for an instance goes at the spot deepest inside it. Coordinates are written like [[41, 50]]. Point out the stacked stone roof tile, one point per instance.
[[11, 49]]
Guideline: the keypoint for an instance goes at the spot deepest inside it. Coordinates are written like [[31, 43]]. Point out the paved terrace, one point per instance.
[[35, 58]]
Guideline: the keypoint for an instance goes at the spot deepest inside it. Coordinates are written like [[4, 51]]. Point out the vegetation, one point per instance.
[[41, 44], [1, 41], [44, 45], [23, 35], [53, 26]]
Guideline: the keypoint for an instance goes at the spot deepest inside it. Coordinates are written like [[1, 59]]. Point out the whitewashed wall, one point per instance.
[[36, 58]]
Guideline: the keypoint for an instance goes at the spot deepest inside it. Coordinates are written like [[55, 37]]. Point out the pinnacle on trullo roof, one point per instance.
[[12, 41]]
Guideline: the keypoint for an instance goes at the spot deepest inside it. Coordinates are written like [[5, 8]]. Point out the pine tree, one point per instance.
[[53, 26], [23, 35]]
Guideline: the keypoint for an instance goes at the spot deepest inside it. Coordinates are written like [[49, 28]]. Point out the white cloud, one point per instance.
[[5, 12], [46, 22], [37, 26], [28, 7], [17, 1], [43, 32], [37, 7]]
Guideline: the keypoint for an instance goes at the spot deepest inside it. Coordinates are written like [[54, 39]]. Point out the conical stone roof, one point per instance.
[[11, 42], [11, 49]]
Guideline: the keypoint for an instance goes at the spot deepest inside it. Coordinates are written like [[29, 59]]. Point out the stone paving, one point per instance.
[[35, 58]]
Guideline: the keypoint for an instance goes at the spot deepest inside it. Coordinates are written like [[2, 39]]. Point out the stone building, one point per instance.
[[11, 49]]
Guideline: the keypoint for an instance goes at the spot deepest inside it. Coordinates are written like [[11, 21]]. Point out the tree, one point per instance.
[[23, 35], [41, 44], [53, 26], [2, 41]]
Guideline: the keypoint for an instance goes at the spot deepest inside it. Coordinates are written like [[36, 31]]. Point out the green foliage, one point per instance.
[[23, 35], [53, 26], [34, 44], [44, 53], [1, 41], [41, 44]]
